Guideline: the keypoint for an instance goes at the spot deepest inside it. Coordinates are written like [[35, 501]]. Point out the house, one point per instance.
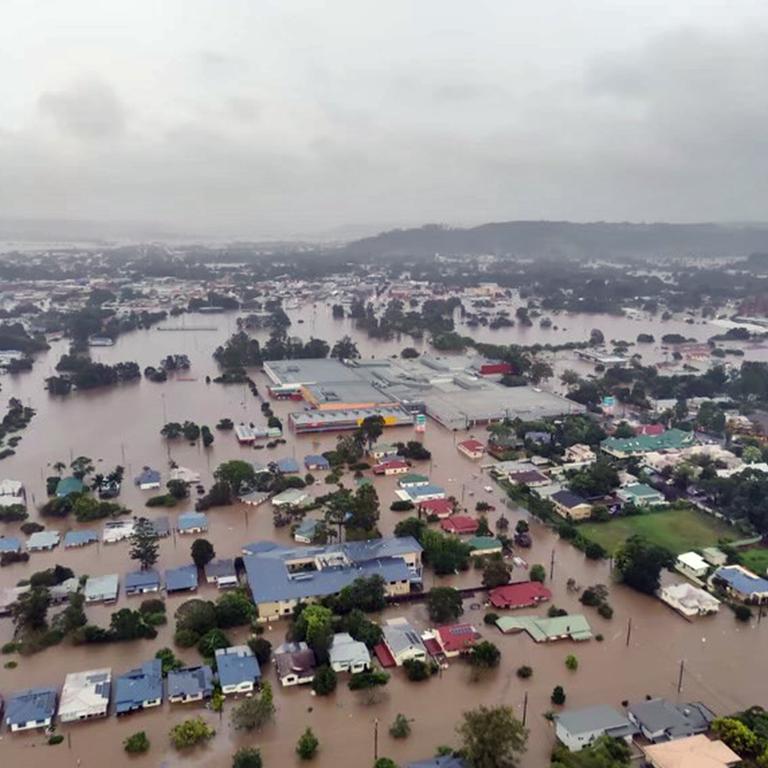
[[287, 465], [30, 708], [79, 538], [421, 493], [641, 495], [472, 449], [578, 728], [222, 573], [161, 526], [538, 438], [290, 497], [142, 582], [316, 463], [714, 556], [192, 522], [741, 584], [461, 525], [69, 485], [660, 720], [295, 664], [455, 639], [148, 479], [139, 688], [571, 627], [185, 475], [183, 579], [440, 508], [238, 669], [625, 447], [85, 695], [692, 564], [108, 489], [306, 530], [689, 600], [348, 655], [9, 544], [382, 451], [530, 477], [520, 595], [403, 642], [13, 489], [570, 505], [692, 752], [42, 541], [102, 589], [8, 596], [482, 546], [413, 480], [60, 592], [443, 761], [579, 454], [392, 467], [117, 530], [190, 684], [282, 577]]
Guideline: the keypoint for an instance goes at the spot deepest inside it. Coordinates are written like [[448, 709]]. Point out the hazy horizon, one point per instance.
[[286, 120]]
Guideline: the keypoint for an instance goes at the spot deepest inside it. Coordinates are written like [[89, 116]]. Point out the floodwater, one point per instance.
[[725, 662]]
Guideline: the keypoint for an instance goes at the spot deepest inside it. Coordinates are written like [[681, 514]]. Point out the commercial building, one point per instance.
[[339, 420], [85, 695], [578, 728], [281, 577]]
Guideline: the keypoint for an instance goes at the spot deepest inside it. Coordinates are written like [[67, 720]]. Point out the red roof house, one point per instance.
[[440, 507], [460, 524], [391, 467], [650, 429], [472, 448], [521, 595], [456, 638]]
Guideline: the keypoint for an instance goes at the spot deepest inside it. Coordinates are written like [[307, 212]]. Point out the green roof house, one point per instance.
[[624, 447], [69, 485], [484, 545]]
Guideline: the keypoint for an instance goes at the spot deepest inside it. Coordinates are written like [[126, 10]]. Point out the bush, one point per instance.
[[56, 738], [9, 648], [136, 743], [605, 611], [537, 573], [400, 728], [262, 649], [307, 746], [594, 551], [185, 638], [571, 662], [325, 681], [247, 757], [742, 613], [401, 506], [191, 732], [416, 670], [153, 605], [490, 619], [211, 641], [524, 672], [599, 638], [558, 696]]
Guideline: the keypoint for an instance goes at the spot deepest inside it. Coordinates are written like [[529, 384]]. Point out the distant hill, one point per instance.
[[558, 239]]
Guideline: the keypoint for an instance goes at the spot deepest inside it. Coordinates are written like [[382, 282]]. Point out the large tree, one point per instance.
[[202, 552], [30, 611], [144, 545], [492, 737], [345, 349], [237, 474], [254, 713], [444, 604], [639, 562], [371, 429]]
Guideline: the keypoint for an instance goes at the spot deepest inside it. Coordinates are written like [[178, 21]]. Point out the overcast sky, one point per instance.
[[272, 119]]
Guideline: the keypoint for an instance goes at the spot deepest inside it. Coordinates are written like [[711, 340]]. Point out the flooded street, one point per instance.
[[725, 662]]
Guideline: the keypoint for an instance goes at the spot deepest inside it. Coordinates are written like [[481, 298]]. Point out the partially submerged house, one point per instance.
[[660, 720], [316, 463], [440, 508], [82, 538], [69, 485], [402, 642], [306, 530], [578, 728], [190, 684], [43, 541], [182, 579], [192, 522], [295, 664], [85, 695], [148, 479], [30, 708], [522, 594], [417, 493], [391, 467], [461, 525], [222, 573], [348, 655], [472, 449], [741, 584], [139, 688], [142, 582], [102, 589], [689, 600], [541, 630], [238, 669], [290, 497], [456, 639], [691, 752], [10, 544], [117, 530]]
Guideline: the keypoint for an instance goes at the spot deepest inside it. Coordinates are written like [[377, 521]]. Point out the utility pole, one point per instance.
[[375, 739], [680, 677], [629, 630], [525, 707], [552, 566]]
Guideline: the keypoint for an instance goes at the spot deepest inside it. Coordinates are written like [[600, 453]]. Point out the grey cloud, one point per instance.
[[88, 109]]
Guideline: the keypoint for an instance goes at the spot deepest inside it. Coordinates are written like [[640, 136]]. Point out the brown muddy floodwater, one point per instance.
[[725, 663]]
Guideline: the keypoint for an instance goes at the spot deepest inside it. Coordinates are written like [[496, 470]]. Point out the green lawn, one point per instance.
[[678, 530], [755, 559]]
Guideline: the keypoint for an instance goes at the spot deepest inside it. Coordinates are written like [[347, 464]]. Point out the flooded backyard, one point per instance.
[[725, 662]]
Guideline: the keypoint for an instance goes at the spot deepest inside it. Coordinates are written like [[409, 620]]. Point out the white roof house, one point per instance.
[[291, 497], [348, 655], [85, 695], [42, 540], [11, 488], [403, 641], [689, 600], [117, 530], [102, 589], [186, 475], [692, 564]]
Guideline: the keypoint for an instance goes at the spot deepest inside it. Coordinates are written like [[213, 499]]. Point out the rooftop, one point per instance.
[[190, 682], [177, 579], [697, 751], [236, 665], [670, 440], [30, 705], [143, 684], [573, 626], [85, 694], [741, 580], [597, 718]]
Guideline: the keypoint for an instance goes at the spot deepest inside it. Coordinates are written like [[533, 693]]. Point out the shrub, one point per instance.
[[605, 611], [524, 672], [416, 670], [742, 612], [185, 638], [401, 506], [537, 573], [262, 649], [211, 641], [594, 551], [136, 743], [325, 681], [191, 732], [599, 638], [11, 664], [307, 745], [571, 662], [400, 728], [55, 738], [247, 757], [558, 695], [153, 605], [9, 648], [490, 619]]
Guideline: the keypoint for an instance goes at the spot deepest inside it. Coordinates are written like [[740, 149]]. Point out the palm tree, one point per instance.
[[59, 467]]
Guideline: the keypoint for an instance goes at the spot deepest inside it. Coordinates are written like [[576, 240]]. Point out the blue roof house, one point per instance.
[[315, 462], [9, 544], [741, 584], [238, 669], [444, 761], [190, 684], [192, 522], [288, 465], [183, 579], [79, 538], [139, 688], [148, 479], [31, 708], [142, 582]]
